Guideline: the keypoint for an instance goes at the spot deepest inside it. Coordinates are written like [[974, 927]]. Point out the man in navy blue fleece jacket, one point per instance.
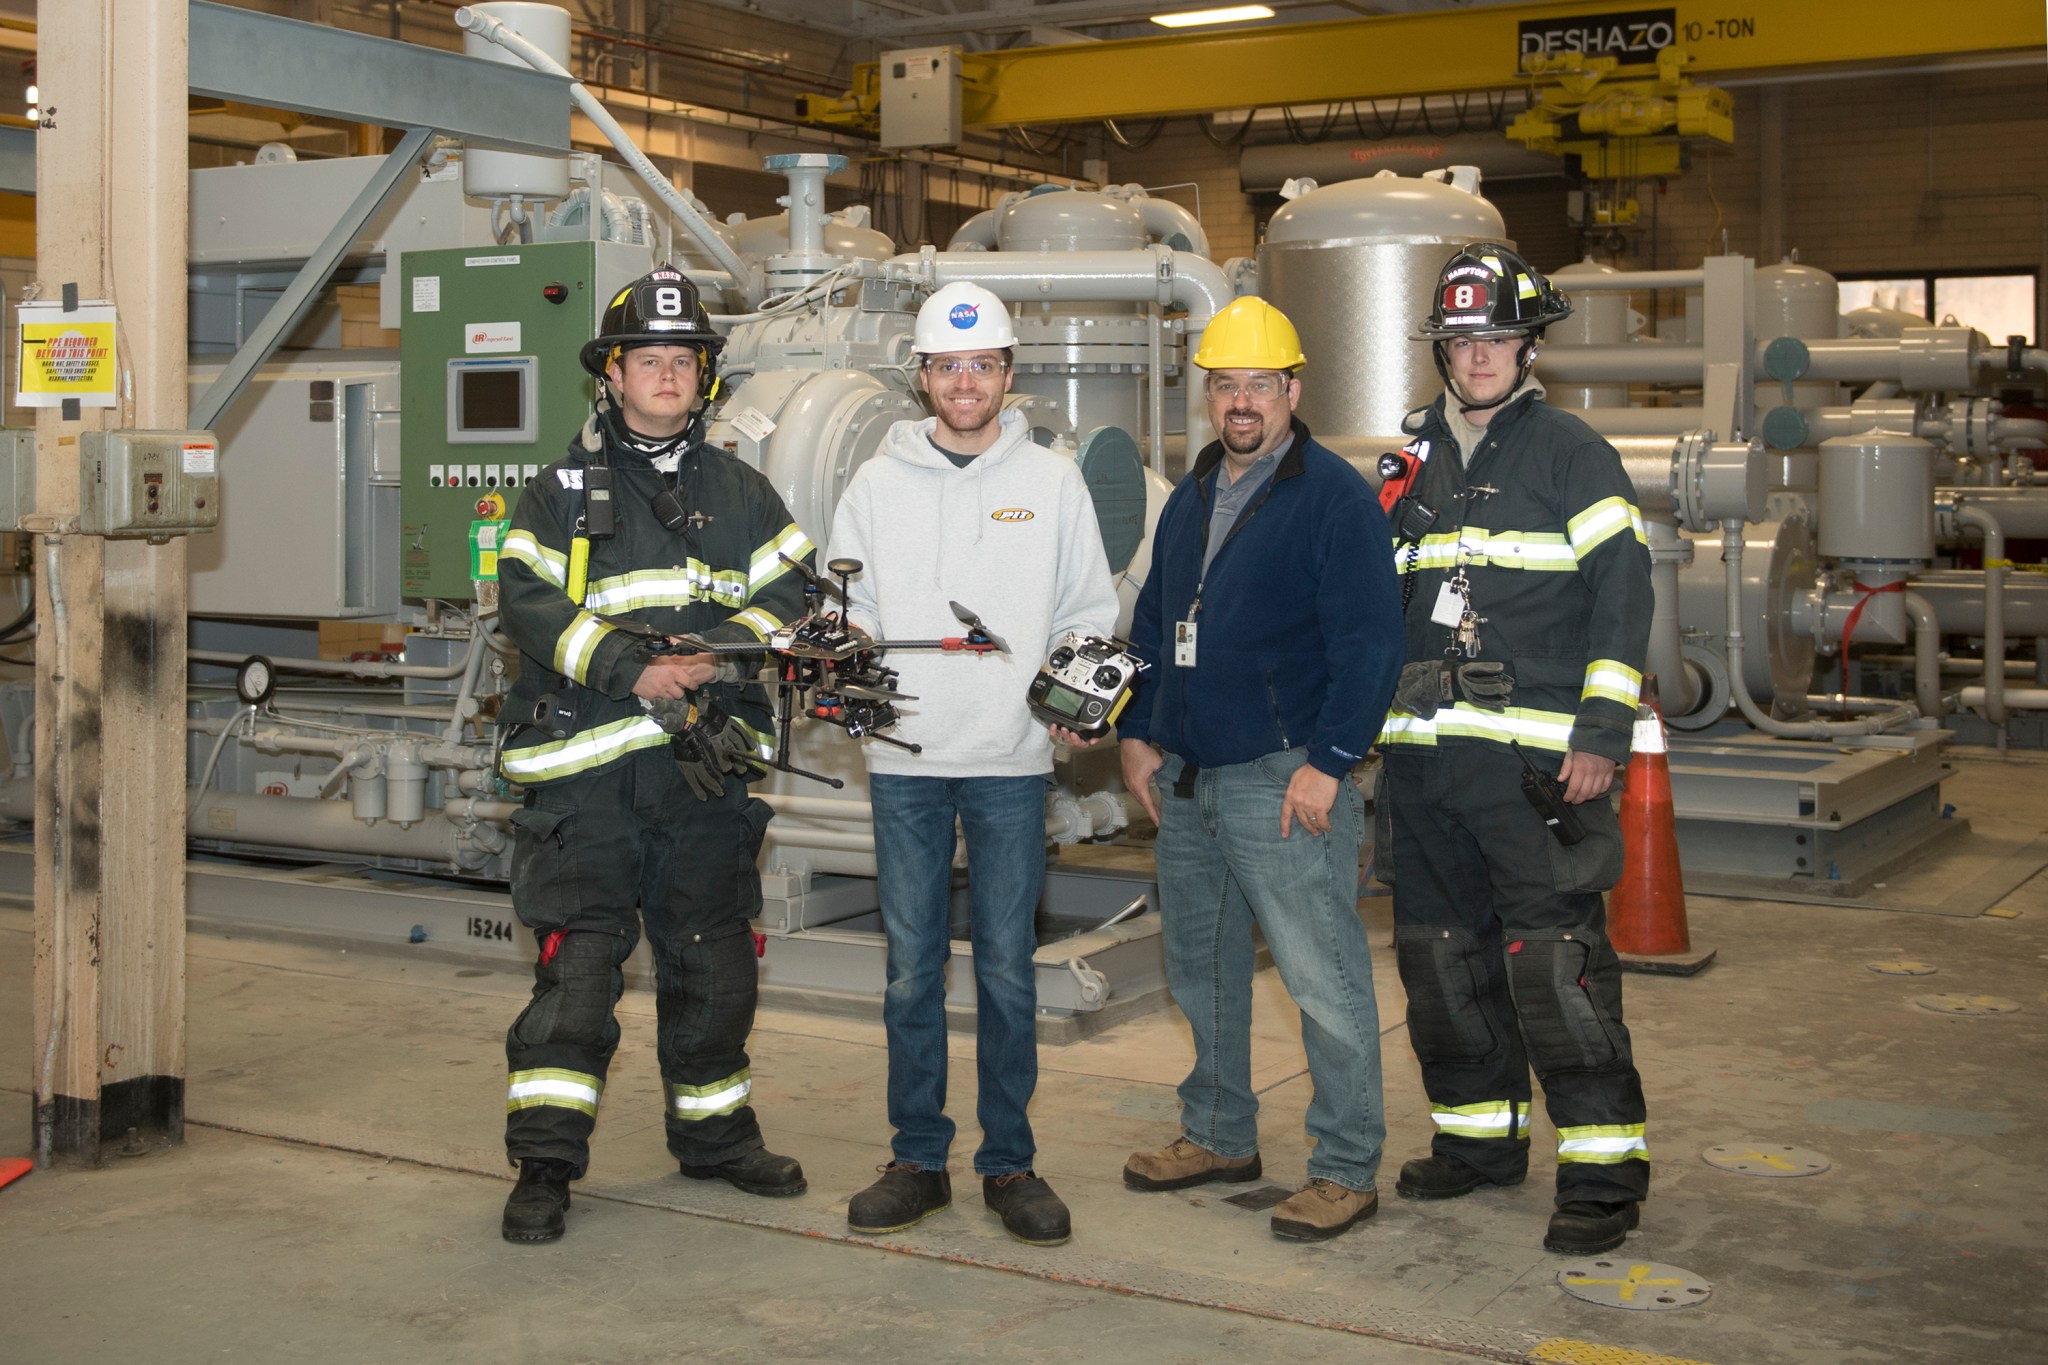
[[1271, 622]]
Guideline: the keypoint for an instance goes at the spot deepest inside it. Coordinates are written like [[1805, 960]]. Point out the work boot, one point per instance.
[[1031, 1212], [1184, 1162], [905, 1195], [1586, 1227], [757, 1172], [1441, 1176], [1322, 1209], [534, 1212]]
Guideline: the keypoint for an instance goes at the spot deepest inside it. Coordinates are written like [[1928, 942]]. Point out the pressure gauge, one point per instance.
[[255, 680]]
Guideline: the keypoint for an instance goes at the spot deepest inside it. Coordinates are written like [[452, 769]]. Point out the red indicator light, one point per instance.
[[554, 293]]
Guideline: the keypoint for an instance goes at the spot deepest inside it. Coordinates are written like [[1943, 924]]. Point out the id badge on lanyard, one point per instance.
[[1184, 644]]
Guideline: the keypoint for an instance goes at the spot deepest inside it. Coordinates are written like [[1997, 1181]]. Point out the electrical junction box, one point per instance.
[[490, 389], [154, 484], [17, 475], [921, 97]]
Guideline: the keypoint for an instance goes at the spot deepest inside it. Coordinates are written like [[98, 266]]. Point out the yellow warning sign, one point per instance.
[[66, 355]]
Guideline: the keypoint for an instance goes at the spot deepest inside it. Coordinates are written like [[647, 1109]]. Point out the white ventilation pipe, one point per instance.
[[745, 281]]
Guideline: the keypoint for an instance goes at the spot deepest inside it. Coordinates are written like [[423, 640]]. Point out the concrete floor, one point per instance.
[[338, 1194]]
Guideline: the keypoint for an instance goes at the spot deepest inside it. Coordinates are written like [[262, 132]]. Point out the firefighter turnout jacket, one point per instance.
[[720, 577], [1542, 519]]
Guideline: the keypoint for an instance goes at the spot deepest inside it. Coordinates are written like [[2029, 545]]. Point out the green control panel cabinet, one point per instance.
[[491, 391]]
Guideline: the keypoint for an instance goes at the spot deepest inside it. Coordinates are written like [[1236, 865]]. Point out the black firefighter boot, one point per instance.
[[1586, 1227], [535, 1211], [759, 1172]]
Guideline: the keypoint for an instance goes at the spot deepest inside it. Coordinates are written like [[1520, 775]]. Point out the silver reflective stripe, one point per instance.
[[553, 1086], [719, 1097]]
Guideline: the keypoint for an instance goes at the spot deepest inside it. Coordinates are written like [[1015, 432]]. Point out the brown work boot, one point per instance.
[[1322, 1209], [1184, 1162]]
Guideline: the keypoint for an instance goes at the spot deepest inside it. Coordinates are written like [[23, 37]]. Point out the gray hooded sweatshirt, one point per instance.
[[1012, 537]]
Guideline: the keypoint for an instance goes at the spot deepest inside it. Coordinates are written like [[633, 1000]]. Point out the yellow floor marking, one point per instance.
[[1570, 1351]]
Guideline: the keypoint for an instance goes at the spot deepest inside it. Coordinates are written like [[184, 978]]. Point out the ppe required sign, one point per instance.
[[66, 355]]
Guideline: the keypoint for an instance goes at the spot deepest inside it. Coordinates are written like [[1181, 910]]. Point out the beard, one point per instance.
[[1243, 440]]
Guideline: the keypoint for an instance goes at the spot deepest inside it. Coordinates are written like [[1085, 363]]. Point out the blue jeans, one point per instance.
[[1222, 864], [1003, 819]]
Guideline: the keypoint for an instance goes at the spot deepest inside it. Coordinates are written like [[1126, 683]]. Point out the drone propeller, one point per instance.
[[816, 579], [975, 627], [863, 692]]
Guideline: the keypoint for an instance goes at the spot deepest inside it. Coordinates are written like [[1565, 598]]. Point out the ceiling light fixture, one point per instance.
[[1228, 14]]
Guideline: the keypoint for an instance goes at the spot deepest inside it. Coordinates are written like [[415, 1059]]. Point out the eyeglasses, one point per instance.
[[1263, 387], [981, 367]]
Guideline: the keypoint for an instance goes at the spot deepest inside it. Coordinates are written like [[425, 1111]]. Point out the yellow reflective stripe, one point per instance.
[[576, 645], [1602, 1144], [1431, 552], [1488, 1119], [762, 623], [1614, 681], [581, 752], [709, 1101], [764, 742], [1476, 547], [522, 546], [1607, 517], [768, 565], [1538, 729], [549, 1085], [691, 581]]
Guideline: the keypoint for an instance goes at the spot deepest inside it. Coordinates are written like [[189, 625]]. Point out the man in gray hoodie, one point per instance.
[[962, 506]]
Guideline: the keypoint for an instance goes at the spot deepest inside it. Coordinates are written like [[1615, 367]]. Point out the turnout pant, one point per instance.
[[593, 857], [1500, 936]]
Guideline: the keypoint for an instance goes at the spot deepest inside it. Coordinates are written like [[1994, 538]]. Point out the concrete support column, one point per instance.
[[109, 995]]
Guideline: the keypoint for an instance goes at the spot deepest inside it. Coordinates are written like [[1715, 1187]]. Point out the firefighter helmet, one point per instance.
[[661, 308], [1486, 290]]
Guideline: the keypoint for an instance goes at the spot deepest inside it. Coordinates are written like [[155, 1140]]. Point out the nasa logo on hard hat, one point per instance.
[[964, 315], [1011, 514]]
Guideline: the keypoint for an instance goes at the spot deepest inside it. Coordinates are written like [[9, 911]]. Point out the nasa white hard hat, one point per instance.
[[963, 317]]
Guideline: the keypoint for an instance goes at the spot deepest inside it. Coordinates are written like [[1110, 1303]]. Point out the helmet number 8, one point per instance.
[[668, 301], [1464, 296]]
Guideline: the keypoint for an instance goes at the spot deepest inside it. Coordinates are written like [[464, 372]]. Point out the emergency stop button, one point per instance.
[[491, 507]]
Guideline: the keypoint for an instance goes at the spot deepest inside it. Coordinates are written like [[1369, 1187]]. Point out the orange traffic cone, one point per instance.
[[1646, 908], [13, 1168]]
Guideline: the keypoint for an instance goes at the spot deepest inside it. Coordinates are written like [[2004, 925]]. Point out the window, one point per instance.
[[1996, 303]]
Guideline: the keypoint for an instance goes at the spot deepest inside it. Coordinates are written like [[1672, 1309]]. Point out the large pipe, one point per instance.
[[2017, 698], [1615, 423], [1994, 608], [1926, 654], [2023, 513], [1154, 274], [1164, 218], [1958, 596], [748, 284], [1643, 362], [1680, 687]]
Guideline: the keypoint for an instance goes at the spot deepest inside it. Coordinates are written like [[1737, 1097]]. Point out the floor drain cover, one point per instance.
[[1262, 1198], [1967, 1004], [1765, 1158], [1904, 968], [1616, 1282]]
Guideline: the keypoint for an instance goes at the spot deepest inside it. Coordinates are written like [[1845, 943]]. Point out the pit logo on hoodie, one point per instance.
[[1012, 514]]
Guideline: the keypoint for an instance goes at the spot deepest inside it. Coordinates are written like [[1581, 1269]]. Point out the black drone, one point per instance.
[[829, 669]]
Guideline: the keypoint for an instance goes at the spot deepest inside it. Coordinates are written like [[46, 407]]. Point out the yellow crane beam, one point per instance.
[[1447, 51]]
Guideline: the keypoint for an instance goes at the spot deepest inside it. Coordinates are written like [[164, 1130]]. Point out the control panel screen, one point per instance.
[[492, 401]]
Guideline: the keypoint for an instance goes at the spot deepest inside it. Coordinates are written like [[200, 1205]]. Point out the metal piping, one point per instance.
[[1738, 685], [2022, 513], [1994, 609], [1680, 687], [2018, 698], [1154, 274], [749, 285], [1926, 654], [1645, 362]]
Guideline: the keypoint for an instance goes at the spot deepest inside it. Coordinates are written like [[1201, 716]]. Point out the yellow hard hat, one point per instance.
[[1250, 334]]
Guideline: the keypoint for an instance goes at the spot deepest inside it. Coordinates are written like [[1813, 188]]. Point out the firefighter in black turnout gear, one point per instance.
[[635, 761], [1526, 608]]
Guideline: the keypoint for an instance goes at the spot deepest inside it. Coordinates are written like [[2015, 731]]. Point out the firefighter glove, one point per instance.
[[1486, 685], [715, 747]]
